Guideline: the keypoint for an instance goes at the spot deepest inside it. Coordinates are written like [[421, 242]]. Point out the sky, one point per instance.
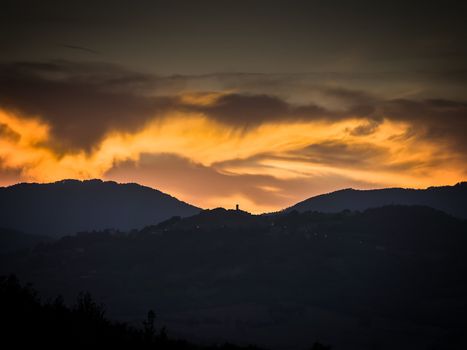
[[261, 103]]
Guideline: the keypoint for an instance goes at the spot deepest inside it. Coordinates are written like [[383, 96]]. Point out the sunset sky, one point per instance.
[[262, 103]]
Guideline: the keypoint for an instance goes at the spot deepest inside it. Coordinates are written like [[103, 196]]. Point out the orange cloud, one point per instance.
[[267, 167]]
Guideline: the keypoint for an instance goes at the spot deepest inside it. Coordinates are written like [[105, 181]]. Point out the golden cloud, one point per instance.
[[278, 152]]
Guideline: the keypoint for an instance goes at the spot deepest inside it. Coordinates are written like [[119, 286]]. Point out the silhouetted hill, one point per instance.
[[69, 206], [12, 240], [210, 219], [450, 199], [386, 278]]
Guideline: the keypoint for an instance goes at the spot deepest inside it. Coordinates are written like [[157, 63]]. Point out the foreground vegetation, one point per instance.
[[386, 278], [26, 320]]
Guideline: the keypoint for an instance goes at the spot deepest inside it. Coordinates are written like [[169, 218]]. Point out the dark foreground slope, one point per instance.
[[27, 321], [450, 199], [387, 278], [70, 206]]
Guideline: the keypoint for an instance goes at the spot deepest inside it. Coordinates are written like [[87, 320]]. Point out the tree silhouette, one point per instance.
[[87, 306], [27, 322], [319, 346], [148, 324]]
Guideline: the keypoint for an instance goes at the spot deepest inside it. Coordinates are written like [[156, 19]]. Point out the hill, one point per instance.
[[13, 241], [387, 278], [69, 206], [450, 199]]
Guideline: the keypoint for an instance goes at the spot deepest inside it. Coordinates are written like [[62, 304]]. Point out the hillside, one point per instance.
[[386, 278], [450, 199], [69, 206], [13, 241]]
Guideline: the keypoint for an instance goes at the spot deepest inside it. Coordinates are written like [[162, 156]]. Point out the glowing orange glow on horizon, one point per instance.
[[272, 149]]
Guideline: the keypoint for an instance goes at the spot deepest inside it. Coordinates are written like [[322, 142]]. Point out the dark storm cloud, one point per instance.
[[83, 101], [434, 119], [247, 109], [80, 103]]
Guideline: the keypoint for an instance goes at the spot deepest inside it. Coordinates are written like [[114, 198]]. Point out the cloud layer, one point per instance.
[[222, 138]]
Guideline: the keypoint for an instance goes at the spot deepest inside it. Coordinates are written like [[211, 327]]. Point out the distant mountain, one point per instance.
[[450, 199], [70, 206]]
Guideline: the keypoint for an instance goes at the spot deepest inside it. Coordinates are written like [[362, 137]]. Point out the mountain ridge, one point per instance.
[[68, 206], [450, 199]]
